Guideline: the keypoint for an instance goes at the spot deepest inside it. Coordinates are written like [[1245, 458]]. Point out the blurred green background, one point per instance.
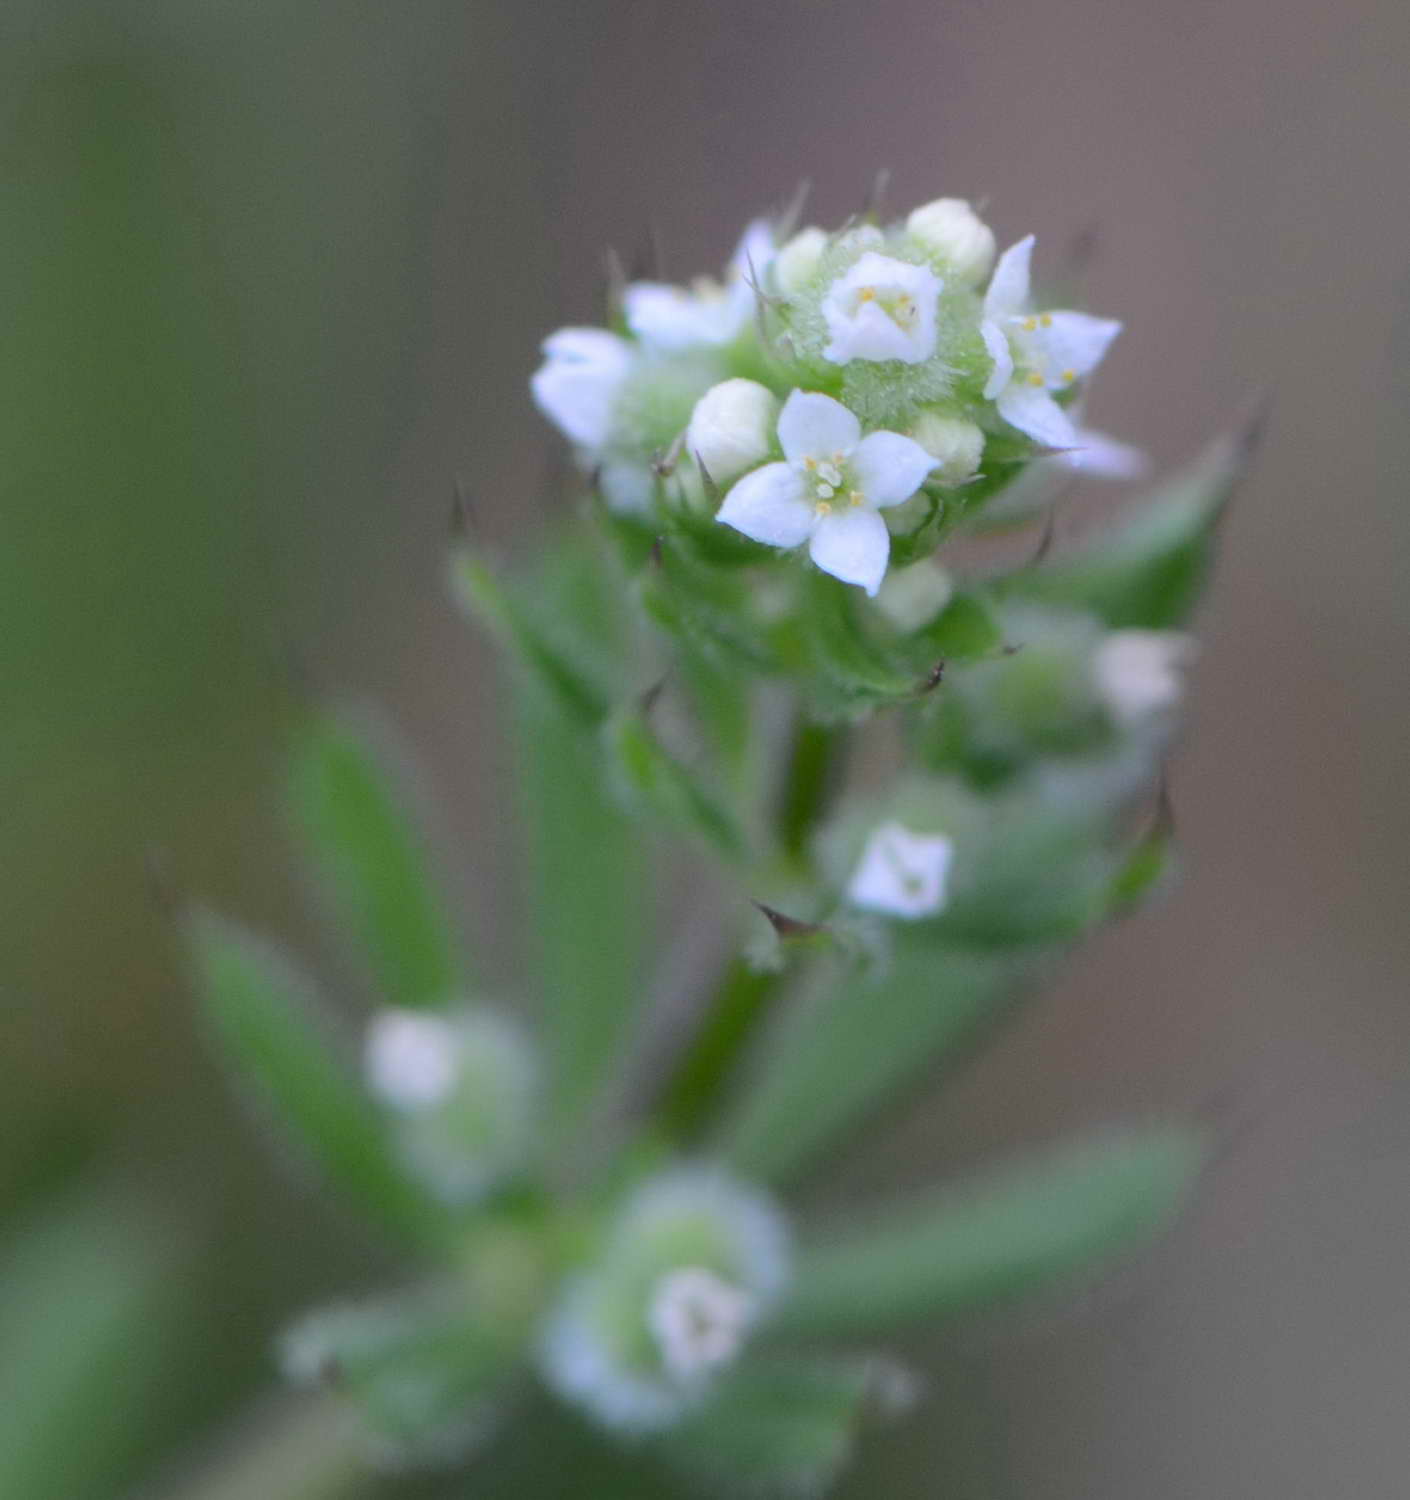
[[272, 276]]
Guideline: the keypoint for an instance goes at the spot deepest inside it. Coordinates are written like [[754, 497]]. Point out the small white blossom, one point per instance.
[[577, 384], [699, 1321], [882, 309], [902, 874], [1035, 354], [827, 490], [1140, 673], [411, 1059], [731, 428], [955, 443], [670, 319], [798, 261], [952, 229], [1101, 456]]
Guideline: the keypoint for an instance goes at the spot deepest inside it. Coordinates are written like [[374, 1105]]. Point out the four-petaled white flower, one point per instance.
[[902, 874], [577, 384], [828, 489], [670, 319], [1140, 673], [1035, 354], [882, 309], [699, 1321]]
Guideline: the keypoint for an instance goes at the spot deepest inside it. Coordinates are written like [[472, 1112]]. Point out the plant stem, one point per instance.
[[303, 1448], [742, 998]]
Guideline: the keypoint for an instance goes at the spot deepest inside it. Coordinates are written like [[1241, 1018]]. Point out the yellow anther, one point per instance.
[[856, 497], [823, 508], [1046, 320], [810, 463], [1068, 376], [1035, 378], [867, 294], [1030, 324]]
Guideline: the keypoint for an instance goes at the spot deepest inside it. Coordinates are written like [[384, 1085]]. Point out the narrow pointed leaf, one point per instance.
[[857, 1040], [355, 826], [1018, 1230], [263, 1021], [1148, 573], [784, 1426]]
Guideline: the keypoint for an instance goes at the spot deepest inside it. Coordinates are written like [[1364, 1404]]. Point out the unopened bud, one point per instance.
[[914, 596], [955, 443], [951, 229], [799, 259], [731, 428]]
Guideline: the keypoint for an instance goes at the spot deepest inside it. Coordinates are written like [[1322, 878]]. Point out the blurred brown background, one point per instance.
[[271, 276]]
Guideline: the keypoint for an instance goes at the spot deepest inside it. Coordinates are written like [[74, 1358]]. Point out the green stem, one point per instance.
[[302, 1450], [742, 999]]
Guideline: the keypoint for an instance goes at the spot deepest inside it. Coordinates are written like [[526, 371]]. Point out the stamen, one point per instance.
[[1068, 376], [1035, 378], [1046, 320], [1030, 324], [823, 508]]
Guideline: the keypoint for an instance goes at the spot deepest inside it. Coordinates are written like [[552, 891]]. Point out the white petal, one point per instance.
[[1104, 457], [853, 545], [871, 333], [812, 425], [1140, 673], [1008, 288], [670, 319], [768, 505], [891, 468], [1033, 411], [901, 873], [997, 343], [577, 383], [1074, 343]]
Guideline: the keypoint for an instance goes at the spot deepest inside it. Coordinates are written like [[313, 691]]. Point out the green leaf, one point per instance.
[[1149, 573], [590, 908], [857, 1039], [90, 1316], [1017, 1230], [784, 1426], [263, 1020], [655, 782], [355, 827]]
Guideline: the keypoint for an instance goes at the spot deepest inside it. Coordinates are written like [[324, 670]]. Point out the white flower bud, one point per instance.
[[955, 443], [799, 259], [699, 1321], [1140, 673], [732, 427], [912, 597], [952, 229], [411, 1058]]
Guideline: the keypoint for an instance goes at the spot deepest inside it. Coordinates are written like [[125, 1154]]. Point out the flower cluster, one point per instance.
[[828, 379]]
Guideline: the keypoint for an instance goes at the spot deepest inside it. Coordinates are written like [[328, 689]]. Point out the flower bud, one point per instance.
[[799, 259], [731, 428], [463, 1088], [955, 443], [951, 229], [1139, 673], [912, 597], [902, 874]]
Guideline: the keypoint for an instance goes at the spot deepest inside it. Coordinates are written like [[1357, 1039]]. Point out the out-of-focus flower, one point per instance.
[[827, 490], [699, 1320], [1140, 673], [670, 319], [798, 261], [902, 874], [578, 382]]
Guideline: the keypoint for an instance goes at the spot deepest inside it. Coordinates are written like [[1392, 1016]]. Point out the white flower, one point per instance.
[[577, 384], [882, 309], [952, 229], [699, 1321], [796, 263], [901, 873], [411, 1059], [1101, 456], [828, 489], [731, 428], [1035, 354], [955, 443], [670, 319], [1140, 673]]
